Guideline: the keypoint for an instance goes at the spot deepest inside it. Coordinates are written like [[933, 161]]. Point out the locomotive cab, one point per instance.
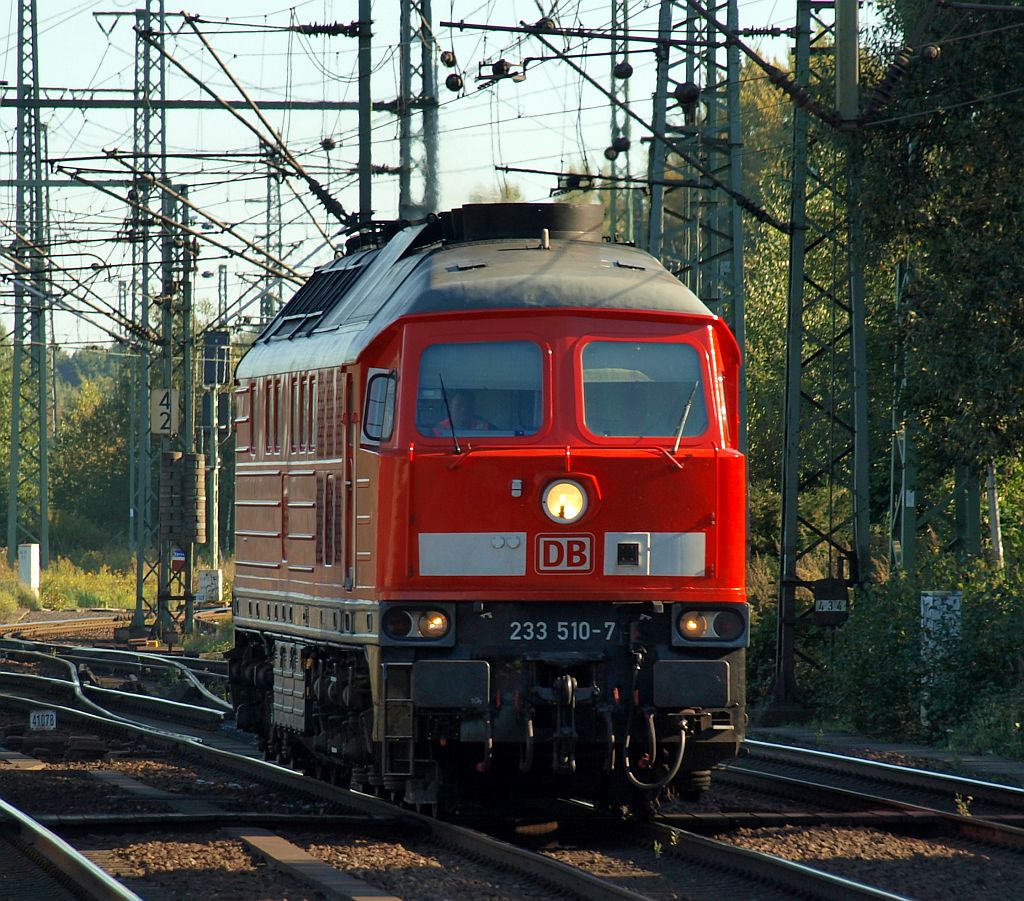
[[529, 542]]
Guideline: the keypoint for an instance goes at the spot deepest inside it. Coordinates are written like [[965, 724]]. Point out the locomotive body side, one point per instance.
[[543, 593]]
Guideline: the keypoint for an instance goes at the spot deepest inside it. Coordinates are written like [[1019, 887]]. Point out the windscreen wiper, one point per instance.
[[684, 417], [451, 419]]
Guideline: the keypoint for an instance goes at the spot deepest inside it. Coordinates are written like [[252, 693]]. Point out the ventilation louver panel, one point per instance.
[[308, 305]]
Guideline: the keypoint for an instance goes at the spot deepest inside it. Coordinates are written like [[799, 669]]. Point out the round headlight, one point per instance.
[[692, 625], [397, 623], [432, 624], [565, 501], [728, 625]]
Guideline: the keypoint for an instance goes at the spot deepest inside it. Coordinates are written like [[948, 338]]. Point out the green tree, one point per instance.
[[89, 467], [768, 139], [506, 192], [943, 189]]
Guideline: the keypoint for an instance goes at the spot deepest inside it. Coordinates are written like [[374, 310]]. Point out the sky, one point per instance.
[[553, 120]]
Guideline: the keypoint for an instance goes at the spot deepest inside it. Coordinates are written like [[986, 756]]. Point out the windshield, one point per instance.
[[643, 388], [487, 388]]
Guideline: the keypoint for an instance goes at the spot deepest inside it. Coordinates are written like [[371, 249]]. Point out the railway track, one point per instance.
[[59, 679], [923, 788], [662, 861], [100, 625], [707, 865], [870, 841], [684, 855], [541, 876]]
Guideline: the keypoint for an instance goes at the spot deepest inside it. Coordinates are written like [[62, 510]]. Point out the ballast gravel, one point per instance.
[[927, 869], [208, 866], [417, 870]]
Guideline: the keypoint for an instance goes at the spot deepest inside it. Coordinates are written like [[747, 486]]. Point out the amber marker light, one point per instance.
[[692, 625], [433, 624], [565, 501]]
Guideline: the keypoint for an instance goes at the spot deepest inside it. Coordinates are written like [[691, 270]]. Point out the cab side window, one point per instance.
[[379, 412]]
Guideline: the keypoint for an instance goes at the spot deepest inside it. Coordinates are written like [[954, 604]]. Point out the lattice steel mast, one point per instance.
[[620, 205], [825, 462], [150, 247], [705, 244], [270, 300], [417, 113], [28, 485]]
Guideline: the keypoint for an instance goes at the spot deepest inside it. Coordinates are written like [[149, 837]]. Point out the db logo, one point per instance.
[[564, 553]]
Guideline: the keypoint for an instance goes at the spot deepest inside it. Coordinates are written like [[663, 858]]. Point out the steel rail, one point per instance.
[[994, 792], [201, 717], [71, 689], [968, 827], [88, 879], [188, 667], [131, 659], [173, 819], [12, 630]]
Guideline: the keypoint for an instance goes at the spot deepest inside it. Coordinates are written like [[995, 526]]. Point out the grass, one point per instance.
[[67, 586], [210, 644]]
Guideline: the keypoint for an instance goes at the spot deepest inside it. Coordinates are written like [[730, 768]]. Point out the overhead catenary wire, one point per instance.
[[172, 223], [741, 200], [15, 264], [223, 226], [53, 300], [274, 143], [509, 115]]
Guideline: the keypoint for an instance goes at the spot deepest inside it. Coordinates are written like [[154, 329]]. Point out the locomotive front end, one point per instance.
[[569, 614], [491, 517]]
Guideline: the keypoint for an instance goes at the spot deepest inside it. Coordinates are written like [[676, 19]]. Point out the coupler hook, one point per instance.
[[672, 772]]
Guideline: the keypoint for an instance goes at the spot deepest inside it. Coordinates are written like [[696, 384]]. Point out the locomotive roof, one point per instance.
[[482, 257]]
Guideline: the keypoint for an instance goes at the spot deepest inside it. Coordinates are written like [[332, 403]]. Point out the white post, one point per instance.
[[28, 567], [940, 634], [995, 527]]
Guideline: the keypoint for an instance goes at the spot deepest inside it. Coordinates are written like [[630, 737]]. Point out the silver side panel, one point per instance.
[[660, 554], [472, 553]]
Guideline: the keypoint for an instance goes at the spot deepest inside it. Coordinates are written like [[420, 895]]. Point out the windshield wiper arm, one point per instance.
[[448, 411], [684, 417]]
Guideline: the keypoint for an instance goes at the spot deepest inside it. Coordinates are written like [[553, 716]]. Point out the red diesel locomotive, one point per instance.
[[490, 519]]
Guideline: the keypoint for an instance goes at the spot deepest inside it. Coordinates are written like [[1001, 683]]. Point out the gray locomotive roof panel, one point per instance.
[[484, 275]]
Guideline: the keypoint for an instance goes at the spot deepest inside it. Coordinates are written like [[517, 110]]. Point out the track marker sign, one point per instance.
[[163, 411], [42, 720]]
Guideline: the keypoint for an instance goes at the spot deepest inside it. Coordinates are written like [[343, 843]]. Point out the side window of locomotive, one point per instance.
[[643, 389], [489, 389], [379, 415]]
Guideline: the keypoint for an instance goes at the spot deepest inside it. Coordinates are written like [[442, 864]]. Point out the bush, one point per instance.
[[966, 693], [13, 595], [875, 676], [762, 593], [210, 643]]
